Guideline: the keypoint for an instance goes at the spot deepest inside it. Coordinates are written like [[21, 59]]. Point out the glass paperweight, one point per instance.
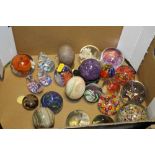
[[62, 74], [112, 56], [134, 92], [45, 63], [22, 65], [44, 78], [92, 93], [43, 118], [124, 74], [89, 52], [30, 102], [101, 119], [75, 88], [33, 85], [53, 101], [90, 70], [109, 104], [132, 113], [77, 118], [107, 71]]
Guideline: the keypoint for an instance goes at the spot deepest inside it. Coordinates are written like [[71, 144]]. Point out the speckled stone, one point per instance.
[[30, 102], [75, 88], [43, 118], [90, 69], [53, 101]]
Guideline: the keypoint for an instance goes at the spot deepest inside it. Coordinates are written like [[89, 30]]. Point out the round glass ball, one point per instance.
[[62, 74], [77, 118], [112, 56], [100, 119], [53, 101], [22, 65], [132, 113], [92, 93]]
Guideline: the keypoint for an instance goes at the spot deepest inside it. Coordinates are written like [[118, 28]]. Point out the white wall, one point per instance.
[[134, 42]]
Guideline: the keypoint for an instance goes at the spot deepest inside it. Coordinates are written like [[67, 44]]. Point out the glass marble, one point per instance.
[[45, 63], [22, 65], [77, 118], [134, 92], [53, 101], [66, 55], [90, 69], [30, 102], [109, 104], [124, 74], [75, 88], [112, 56], [132, 113], [107, 71], [62, 74], [44, 78], [89, 52], [43, 118], [92, 93], [101, 119], [33, 85]]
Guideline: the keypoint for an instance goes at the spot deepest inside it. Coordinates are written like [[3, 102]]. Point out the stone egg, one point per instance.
[[75, 88], [66, 55], [90, 69], [43, 118]]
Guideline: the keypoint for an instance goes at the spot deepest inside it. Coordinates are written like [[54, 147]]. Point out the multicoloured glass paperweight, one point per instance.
[[33, 85], [134, 92], [43, 118], [112, 56], [30, 102], [62, 74], [22, 65], [132, 113], [66, 55], [101, 119], [75, 88], [109, 104], [44, 78], [77, 118], [92, 93], [45, 63], [89, 52], [53, 101], [90, 70], [107, 71], [124, 74]]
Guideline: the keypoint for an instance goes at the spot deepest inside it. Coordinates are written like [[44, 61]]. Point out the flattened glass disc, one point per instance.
[[89, 52], [134, 92], [30, 102], [132, 113], [112, 56], [100, 119], [22, 65], [77, 118], [53, 101]]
